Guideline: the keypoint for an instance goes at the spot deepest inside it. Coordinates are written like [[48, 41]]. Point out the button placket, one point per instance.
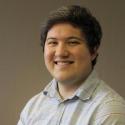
[[59, 114]]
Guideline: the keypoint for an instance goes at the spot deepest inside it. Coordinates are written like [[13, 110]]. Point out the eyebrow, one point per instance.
[[51, 38], [68, 38], [74, 37]]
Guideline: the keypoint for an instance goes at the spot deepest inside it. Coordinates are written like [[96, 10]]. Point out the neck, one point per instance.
[[66, 91]]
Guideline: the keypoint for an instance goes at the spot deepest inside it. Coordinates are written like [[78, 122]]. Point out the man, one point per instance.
[[76, 96]]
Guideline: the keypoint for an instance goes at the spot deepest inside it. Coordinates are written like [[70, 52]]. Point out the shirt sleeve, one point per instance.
[[23, 116], [20, 122], [27, 111], [112, 119], [110, 113]]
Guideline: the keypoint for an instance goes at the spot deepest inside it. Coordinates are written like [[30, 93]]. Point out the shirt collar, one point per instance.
[[84, 92], [51, 90], [88, 87]]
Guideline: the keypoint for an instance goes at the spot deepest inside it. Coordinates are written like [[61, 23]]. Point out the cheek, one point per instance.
[[83, 56], [47, 60], [48, 55]]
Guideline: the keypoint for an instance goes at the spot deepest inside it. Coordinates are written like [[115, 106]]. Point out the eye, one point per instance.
[[73, 42], [51, 42]]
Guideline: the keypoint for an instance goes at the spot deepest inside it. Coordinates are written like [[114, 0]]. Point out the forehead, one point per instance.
[[64, 30]]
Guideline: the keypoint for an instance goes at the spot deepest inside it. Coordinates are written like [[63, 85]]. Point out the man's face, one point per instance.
[[66, 54]]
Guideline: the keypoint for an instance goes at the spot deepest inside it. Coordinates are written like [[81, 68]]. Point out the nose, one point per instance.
[[61, 50]]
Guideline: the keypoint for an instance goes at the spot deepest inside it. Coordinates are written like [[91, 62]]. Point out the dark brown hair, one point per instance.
[[79, 17]]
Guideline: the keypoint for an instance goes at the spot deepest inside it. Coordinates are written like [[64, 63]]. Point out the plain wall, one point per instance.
[[22, 70]]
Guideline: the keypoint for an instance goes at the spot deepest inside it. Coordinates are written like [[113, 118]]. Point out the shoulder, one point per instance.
[[104, 92], [33, 105], [111, 109]]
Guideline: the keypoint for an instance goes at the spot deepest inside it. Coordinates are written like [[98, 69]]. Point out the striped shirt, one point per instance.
[[94, 103]]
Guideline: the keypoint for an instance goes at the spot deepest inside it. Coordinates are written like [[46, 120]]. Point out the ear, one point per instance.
[[94, 54]]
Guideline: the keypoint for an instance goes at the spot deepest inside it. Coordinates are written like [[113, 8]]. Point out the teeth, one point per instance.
[[62, 62]]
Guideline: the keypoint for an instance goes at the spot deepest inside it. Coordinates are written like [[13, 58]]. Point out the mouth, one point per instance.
[[63, 63]]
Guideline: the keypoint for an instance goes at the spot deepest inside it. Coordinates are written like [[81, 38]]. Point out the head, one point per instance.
[[80, 18]]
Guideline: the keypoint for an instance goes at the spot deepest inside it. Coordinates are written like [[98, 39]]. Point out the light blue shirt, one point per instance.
[[94, 103]]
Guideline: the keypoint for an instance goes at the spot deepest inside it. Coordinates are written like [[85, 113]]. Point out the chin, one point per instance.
[[62, 80], [65, 80]]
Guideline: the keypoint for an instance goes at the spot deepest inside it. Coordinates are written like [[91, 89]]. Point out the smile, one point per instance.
[[63, 63]]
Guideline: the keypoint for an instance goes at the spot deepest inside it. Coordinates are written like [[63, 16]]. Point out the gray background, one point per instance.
[[22, 71]]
